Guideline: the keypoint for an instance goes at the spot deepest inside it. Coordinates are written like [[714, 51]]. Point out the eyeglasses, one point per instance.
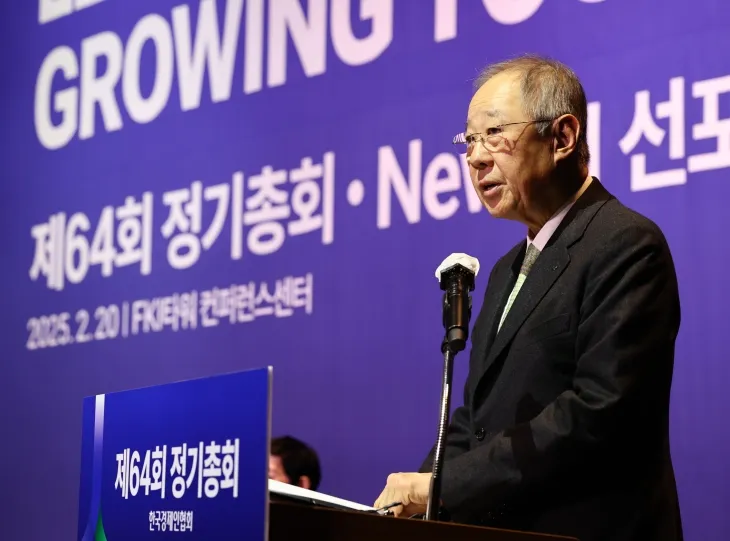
[[494, 139]]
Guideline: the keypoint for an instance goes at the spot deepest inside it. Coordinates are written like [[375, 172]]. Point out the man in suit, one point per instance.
[[564, 427]]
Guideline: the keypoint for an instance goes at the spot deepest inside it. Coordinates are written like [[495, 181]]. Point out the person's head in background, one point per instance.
[[294, 462]]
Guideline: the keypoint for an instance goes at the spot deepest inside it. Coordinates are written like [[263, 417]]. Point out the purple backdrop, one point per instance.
[[138, 250]]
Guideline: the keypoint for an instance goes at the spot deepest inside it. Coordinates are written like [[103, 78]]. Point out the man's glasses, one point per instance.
[[493, 140]]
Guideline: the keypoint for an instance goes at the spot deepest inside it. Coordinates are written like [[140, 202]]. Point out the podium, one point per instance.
[[146, 473], [294, 521]]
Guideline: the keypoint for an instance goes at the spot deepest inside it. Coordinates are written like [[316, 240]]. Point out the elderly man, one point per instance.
[[564, 427]]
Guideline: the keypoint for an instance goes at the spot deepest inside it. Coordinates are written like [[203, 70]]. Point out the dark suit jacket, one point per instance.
[[564, 427]]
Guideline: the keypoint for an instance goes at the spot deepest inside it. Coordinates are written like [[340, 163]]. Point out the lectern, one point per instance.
[[293, 521], [191, 456]]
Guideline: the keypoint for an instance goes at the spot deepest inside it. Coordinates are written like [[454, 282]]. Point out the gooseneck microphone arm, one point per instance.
[[434, 495], [457, 281]]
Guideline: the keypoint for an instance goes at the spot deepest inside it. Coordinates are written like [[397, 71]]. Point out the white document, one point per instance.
[[283, 489]]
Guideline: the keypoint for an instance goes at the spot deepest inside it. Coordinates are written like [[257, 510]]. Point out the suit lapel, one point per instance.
[[548, 266], [496, 298], [551, 263]]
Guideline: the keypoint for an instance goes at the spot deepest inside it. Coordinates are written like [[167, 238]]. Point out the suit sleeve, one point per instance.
[[629, 318]]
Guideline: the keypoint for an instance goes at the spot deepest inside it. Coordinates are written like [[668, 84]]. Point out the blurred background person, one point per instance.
[[294, 462]]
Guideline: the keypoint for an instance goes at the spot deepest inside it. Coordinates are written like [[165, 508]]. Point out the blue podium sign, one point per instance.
[[187, 460]]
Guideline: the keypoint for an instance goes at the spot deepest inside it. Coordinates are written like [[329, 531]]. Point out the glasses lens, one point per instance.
[[493, 142]]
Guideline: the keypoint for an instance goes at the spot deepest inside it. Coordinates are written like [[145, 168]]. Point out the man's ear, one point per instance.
[[567, 131], [305, 482]]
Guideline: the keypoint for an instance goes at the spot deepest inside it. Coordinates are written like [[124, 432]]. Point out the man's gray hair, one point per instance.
[[549, 89]]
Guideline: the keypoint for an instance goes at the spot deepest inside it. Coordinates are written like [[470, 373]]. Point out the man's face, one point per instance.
[[276, 470], [512, 169]]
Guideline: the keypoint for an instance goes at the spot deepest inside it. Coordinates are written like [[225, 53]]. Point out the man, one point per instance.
[[564, 427], [293, 462]]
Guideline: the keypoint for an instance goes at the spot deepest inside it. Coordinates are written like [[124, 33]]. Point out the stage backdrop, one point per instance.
[[191, 188]]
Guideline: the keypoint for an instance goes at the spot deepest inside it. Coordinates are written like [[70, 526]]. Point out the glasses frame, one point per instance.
[[461, 138]]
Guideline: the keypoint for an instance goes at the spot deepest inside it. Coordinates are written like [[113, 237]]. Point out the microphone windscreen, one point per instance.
[[466, 261]]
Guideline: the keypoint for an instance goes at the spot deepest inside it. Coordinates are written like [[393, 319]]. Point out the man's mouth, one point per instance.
[[490, 187]]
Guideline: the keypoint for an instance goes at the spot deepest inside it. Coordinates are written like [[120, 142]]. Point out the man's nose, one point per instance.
[[480, 157]]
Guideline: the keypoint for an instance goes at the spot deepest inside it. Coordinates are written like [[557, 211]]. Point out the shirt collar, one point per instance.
[[547, 230]]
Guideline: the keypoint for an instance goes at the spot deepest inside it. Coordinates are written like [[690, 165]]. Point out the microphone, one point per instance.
[[456, 276]]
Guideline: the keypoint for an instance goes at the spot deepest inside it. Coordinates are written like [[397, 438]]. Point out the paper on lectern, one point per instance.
[[284, 489]]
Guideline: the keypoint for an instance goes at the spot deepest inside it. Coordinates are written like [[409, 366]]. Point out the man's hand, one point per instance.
[[410, 489]]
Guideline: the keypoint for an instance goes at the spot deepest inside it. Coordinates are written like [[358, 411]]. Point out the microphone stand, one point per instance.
[[457, 282]]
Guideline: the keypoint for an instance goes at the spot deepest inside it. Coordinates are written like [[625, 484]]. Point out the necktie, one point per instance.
[[529, 260]]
